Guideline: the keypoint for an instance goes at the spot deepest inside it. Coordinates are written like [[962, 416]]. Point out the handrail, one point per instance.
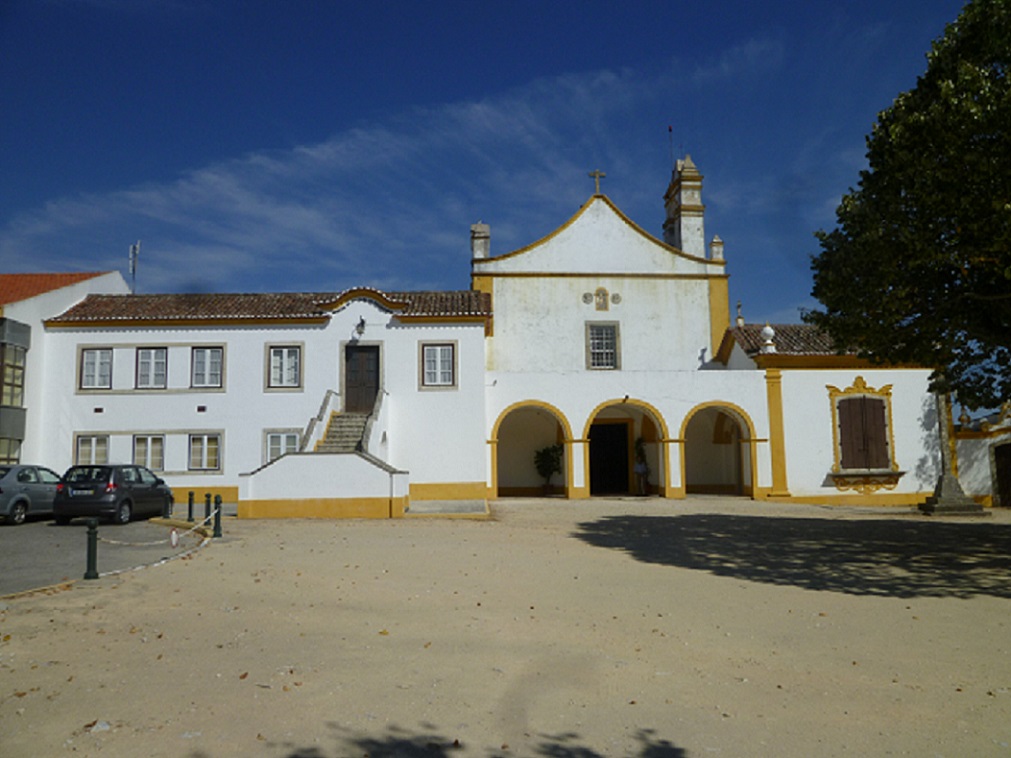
[[310, 436]]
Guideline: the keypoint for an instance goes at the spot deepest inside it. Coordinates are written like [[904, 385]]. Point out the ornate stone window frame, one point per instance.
[[864, 481]]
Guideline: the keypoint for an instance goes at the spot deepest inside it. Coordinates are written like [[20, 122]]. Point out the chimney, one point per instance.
[[480, 240], [716, 249]]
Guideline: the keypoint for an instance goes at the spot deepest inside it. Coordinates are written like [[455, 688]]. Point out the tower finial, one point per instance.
[[597, 175]]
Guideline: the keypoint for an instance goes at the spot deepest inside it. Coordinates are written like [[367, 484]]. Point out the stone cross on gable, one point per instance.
[[597, 175]]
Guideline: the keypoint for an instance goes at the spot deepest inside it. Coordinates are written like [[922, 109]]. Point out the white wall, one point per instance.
[[33, 311], [807, 417], [436, 434]]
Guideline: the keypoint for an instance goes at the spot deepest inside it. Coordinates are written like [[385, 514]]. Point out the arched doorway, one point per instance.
[[624, 439], [717, 452], [522, 430]]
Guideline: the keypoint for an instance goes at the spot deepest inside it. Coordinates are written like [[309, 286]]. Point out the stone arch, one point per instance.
[[617, 434], [718, 450], [519, 431]]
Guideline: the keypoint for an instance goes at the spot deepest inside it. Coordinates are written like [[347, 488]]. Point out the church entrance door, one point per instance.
[[609, 458]]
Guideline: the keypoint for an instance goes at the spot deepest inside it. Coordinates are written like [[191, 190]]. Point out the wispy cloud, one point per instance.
[[389, 203]]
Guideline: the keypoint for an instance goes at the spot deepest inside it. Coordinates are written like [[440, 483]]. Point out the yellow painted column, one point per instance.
[[777, 434]]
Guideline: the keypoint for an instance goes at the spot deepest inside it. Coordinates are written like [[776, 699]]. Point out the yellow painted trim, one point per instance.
[[378, 297], [443, 319], [777, 432], [559, 416], [788, 361], [325, 508], [476, 262], [598, 275], [655, 416], [860, 387], [719, 312], [740, 416], [448, 491], [726, 347], [228, 494], [896, 499], [566, 433], [553, 490], [482, 283]]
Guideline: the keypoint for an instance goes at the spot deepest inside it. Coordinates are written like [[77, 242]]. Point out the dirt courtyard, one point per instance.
[[627, 627]]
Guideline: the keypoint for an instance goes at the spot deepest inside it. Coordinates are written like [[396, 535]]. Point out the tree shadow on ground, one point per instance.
[[884, 557], [402, 743]]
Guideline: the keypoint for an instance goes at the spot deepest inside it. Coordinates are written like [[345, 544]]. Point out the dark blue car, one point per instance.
[[115, 492]]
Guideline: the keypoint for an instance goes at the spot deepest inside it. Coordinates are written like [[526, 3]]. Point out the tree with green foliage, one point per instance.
[[918, 269]]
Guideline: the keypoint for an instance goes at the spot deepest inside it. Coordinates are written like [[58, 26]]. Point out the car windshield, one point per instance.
[[88, 474]]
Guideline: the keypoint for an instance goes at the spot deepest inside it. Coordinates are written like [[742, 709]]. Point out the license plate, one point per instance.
[[75, 493]]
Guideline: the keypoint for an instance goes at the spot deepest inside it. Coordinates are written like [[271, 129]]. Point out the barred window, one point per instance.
[[602, 346]]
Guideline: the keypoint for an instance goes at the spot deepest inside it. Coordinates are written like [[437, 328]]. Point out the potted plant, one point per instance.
[[548, 461]]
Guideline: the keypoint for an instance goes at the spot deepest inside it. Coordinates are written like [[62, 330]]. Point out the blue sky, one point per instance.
[[305, 145]]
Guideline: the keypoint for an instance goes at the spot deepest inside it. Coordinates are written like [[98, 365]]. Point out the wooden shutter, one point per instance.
[[863, 440]]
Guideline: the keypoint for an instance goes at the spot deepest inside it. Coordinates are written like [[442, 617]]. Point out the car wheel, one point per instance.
[[122, 515], [18, 513]]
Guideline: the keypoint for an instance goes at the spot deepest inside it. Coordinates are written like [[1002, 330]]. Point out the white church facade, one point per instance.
[[600, 341]]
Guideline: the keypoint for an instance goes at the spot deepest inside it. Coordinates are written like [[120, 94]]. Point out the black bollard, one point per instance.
[[207, 506], [217, 516], [92, 570], [189, 511]]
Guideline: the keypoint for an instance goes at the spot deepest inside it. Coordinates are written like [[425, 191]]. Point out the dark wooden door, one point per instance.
[[1002, 462], [361, 378], [608, 459]]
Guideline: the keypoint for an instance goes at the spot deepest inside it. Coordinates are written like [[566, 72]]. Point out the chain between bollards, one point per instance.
[[217, 516], [92, 570]]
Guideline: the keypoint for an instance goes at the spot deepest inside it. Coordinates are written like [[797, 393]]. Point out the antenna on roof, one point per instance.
[[670, 141], [134, 255]]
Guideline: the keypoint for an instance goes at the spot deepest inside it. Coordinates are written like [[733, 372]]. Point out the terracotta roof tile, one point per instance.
[[790, 339], [17, 287], [255, 306], [456, 303]]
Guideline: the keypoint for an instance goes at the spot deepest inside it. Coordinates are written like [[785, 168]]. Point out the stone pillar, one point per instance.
[[949, 499]]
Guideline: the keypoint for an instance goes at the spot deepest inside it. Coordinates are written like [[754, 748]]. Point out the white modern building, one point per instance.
[[611, 344]]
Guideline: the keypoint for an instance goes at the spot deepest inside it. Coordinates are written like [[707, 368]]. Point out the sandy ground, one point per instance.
[[601, 628]]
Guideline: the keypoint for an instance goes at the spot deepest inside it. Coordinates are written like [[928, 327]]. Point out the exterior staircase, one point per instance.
[[344, 433]]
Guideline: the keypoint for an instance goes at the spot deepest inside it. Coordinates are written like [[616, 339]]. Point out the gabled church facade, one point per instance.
[[600, 341]]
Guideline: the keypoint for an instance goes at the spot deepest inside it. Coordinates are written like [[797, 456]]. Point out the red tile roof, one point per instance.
[[257, 306], [790, 339], [17, 287]]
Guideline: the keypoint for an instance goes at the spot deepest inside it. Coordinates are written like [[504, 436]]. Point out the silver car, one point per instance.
[[25, 491]]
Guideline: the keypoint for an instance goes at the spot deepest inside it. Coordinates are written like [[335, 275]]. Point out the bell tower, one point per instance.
[[684, 226]]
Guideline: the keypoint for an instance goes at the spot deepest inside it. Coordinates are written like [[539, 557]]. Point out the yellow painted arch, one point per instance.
[[741, 416], [559, 416], [640, 404]]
